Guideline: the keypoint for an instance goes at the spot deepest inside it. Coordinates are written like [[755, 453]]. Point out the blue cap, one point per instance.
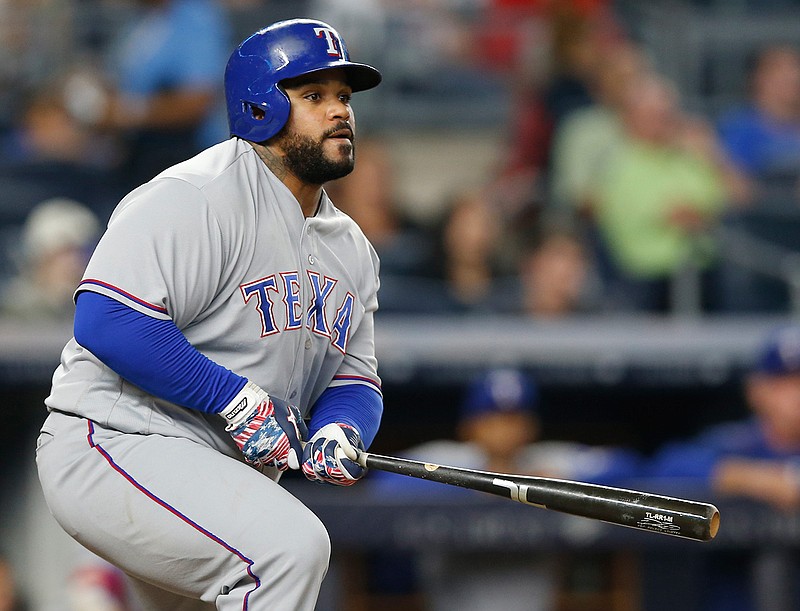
[[780, 352], [498, 391]]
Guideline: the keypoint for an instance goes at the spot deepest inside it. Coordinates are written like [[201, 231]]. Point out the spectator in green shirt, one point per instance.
[[663, 190]]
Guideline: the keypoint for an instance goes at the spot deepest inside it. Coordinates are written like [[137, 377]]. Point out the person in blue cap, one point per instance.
[[499, 430], [498, 419], [755, 458]]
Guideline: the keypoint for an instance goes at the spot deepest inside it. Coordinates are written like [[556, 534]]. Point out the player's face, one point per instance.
[[318, 140]]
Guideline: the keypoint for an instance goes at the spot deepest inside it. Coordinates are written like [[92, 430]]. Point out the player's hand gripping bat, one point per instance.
[[642, 510]]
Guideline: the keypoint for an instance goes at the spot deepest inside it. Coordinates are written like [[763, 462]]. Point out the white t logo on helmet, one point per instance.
[[334, 47]]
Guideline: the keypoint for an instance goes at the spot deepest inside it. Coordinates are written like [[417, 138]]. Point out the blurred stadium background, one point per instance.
[[464, 81]]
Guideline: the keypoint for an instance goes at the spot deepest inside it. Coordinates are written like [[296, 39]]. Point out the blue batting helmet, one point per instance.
[[284, 50]]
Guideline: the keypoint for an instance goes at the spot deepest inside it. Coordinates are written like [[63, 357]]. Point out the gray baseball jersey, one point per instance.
[[219, 245]]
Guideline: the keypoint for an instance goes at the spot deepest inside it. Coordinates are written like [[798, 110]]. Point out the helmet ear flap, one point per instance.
[[261, 120], [255, 112]]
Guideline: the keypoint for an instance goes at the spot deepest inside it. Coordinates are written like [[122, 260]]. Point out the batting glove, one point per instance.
[[268, 431], [330, 455]]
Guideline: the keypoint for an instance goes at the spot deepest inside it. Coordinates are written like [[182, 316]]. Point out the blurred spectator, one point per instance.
[[662, 192], [57, 239], [367, 195], [575, 46], [95, 585], [587, 137], [757, 458], [37, 40], [467, 264], [10, 597], [499, 431], [557, 49], [160, 91], [511, 37], [516, 42], [763, 137], [557, 275], [48, 153]]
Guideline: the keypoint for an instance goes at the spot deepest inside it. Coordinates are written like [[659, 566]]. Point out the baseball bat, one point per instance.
[[641, 510]]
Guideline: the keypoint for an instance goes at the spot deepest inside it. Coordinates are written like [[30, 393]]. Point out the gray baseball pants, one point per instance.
[[192, 528]]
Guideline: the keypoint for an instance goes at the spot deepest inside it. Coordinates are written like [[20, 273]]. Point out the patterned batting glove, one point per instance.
[[268, 431], [330, 455]]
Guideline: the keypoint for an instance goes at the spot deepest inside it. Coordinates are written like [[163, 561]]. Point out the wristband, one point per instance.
[[242, 405]]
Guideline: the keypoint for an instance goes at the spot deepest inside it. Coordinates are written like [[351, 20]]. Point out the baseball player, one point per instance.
[[224, 333]]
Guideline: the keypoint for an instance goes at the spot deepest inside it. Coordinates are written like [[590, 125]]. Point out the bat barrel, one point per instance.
[[635, 509]]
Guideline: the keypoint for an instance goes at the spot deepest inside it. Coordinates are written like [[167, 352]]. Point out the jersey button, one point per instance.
[[311, 259], [308, 343]]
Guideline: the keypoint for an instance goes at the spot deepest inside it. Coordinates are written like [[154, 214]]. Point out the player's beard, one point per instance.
[[305, 157]]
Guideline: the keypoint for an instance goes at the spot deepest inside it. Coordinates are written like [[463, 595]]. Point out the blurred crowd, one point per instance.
[[604, 191], [754, 457]]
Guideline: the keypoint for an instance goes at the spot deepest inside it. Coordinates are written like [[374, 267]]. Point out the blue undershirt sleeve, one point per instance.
[[153, 354], [355, 404]]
